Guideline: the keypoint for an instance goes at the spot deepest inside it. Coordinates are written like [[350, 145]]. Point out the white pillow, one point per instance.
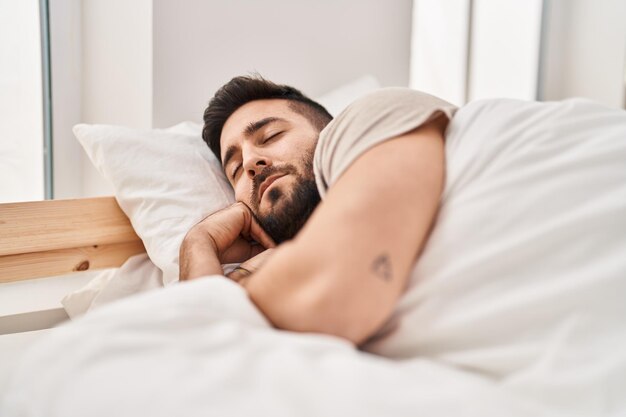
[[137, 274], [165, 180], [339, 98]]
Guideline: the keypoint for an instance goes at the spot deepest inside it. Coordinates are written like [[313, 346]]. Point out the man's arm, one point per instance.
[[346, 269]]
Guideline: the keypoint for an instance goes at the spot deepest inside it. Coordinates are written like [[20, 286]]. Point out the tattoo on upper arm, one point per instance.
[[381, 267]]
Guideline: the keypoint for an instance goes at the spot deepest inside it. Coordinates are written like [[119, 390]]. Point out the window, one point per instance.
[[24, 107]]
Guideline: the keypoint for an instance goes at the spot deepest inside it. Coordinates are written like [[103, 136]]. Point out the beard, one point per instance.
[[286, 218]]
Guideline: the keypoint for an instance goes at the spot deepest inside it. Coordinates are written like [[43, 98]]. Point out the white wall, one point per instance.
[[21, 108], [314, 45], [117, 62], [116, 85]]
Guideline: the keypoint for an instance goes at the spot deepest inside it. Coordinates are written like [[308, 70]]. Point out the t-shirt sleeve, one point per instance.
[[371, 120]]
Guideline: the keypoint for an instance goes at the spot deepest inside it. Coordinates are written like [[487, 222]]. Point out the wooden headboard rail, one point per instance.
[[56, 237]]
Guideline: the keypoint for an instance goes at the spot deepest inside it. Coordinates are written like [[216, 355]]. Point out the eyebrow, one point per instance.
[[250, 130]]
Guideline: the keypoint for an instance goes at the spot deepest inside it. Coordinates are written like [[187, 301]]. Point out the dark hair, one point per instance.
[[244, 89]]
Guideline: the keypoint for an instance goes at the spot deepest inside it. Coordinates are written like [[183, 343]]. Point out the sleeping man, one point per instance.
[[349, 202], [525, 259]]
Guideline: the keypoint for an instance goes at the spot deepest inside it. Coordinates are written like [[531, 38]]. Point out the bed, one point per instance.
[[515, 306]]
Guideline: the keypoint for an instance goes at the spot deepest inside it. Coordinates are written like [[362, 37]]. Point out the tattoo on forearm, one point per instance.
[[381, 267]]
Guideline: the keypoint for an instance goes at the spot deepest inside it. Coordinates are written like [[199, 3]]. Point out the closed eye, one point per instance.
[[235, 171], [273, 136]]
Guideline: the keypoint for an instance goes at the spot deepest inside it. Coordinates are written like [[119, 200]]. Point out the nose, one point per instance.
[[254, 164]]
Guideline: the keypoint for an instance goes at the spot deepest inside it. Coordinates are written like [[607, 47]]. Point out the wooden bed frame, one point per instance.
[[57, 237]]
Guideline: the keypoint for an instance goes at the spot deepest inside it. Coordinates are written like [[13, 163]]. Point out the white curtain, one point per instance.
[[463, 50]]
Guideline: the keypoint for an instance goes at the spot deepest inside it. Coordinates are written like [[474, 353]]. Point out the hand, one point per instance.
[[234, 234], [227, 236], [242, 273]]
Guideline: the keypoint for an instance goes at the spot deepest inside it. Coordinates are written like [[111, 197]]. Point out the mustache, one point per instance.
[[263, 175]]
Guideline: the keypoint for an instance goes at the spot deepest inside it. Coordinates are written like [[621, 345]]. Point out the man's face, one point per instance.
[[267, 153]]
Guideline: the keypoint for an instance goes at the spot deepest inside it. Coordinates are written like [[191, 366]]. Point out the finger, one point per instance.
[[223, 227], [254, 230], [260, 235], [239, 251], [256, 250]]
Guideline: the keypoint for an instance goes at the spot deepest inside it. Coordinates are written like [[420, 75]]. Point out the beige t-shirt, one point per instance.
[[368, 121]]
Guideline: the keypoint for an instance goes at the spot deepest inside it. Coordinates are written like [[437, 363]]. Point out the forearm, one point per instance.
[[282, 289], [197, 259], [296, 293]]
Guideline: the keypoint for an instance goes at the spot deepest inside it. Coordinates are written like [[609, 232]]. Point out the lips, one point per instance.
[[265, 184]]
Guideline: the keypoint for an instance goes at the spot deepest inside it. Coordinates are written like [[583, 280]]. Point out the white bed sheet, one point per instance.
[[12, 347], [201, 348]]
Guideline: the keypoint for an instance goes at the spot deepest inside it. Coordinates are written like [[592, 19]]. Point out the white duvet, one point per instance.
[[515, 307]]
